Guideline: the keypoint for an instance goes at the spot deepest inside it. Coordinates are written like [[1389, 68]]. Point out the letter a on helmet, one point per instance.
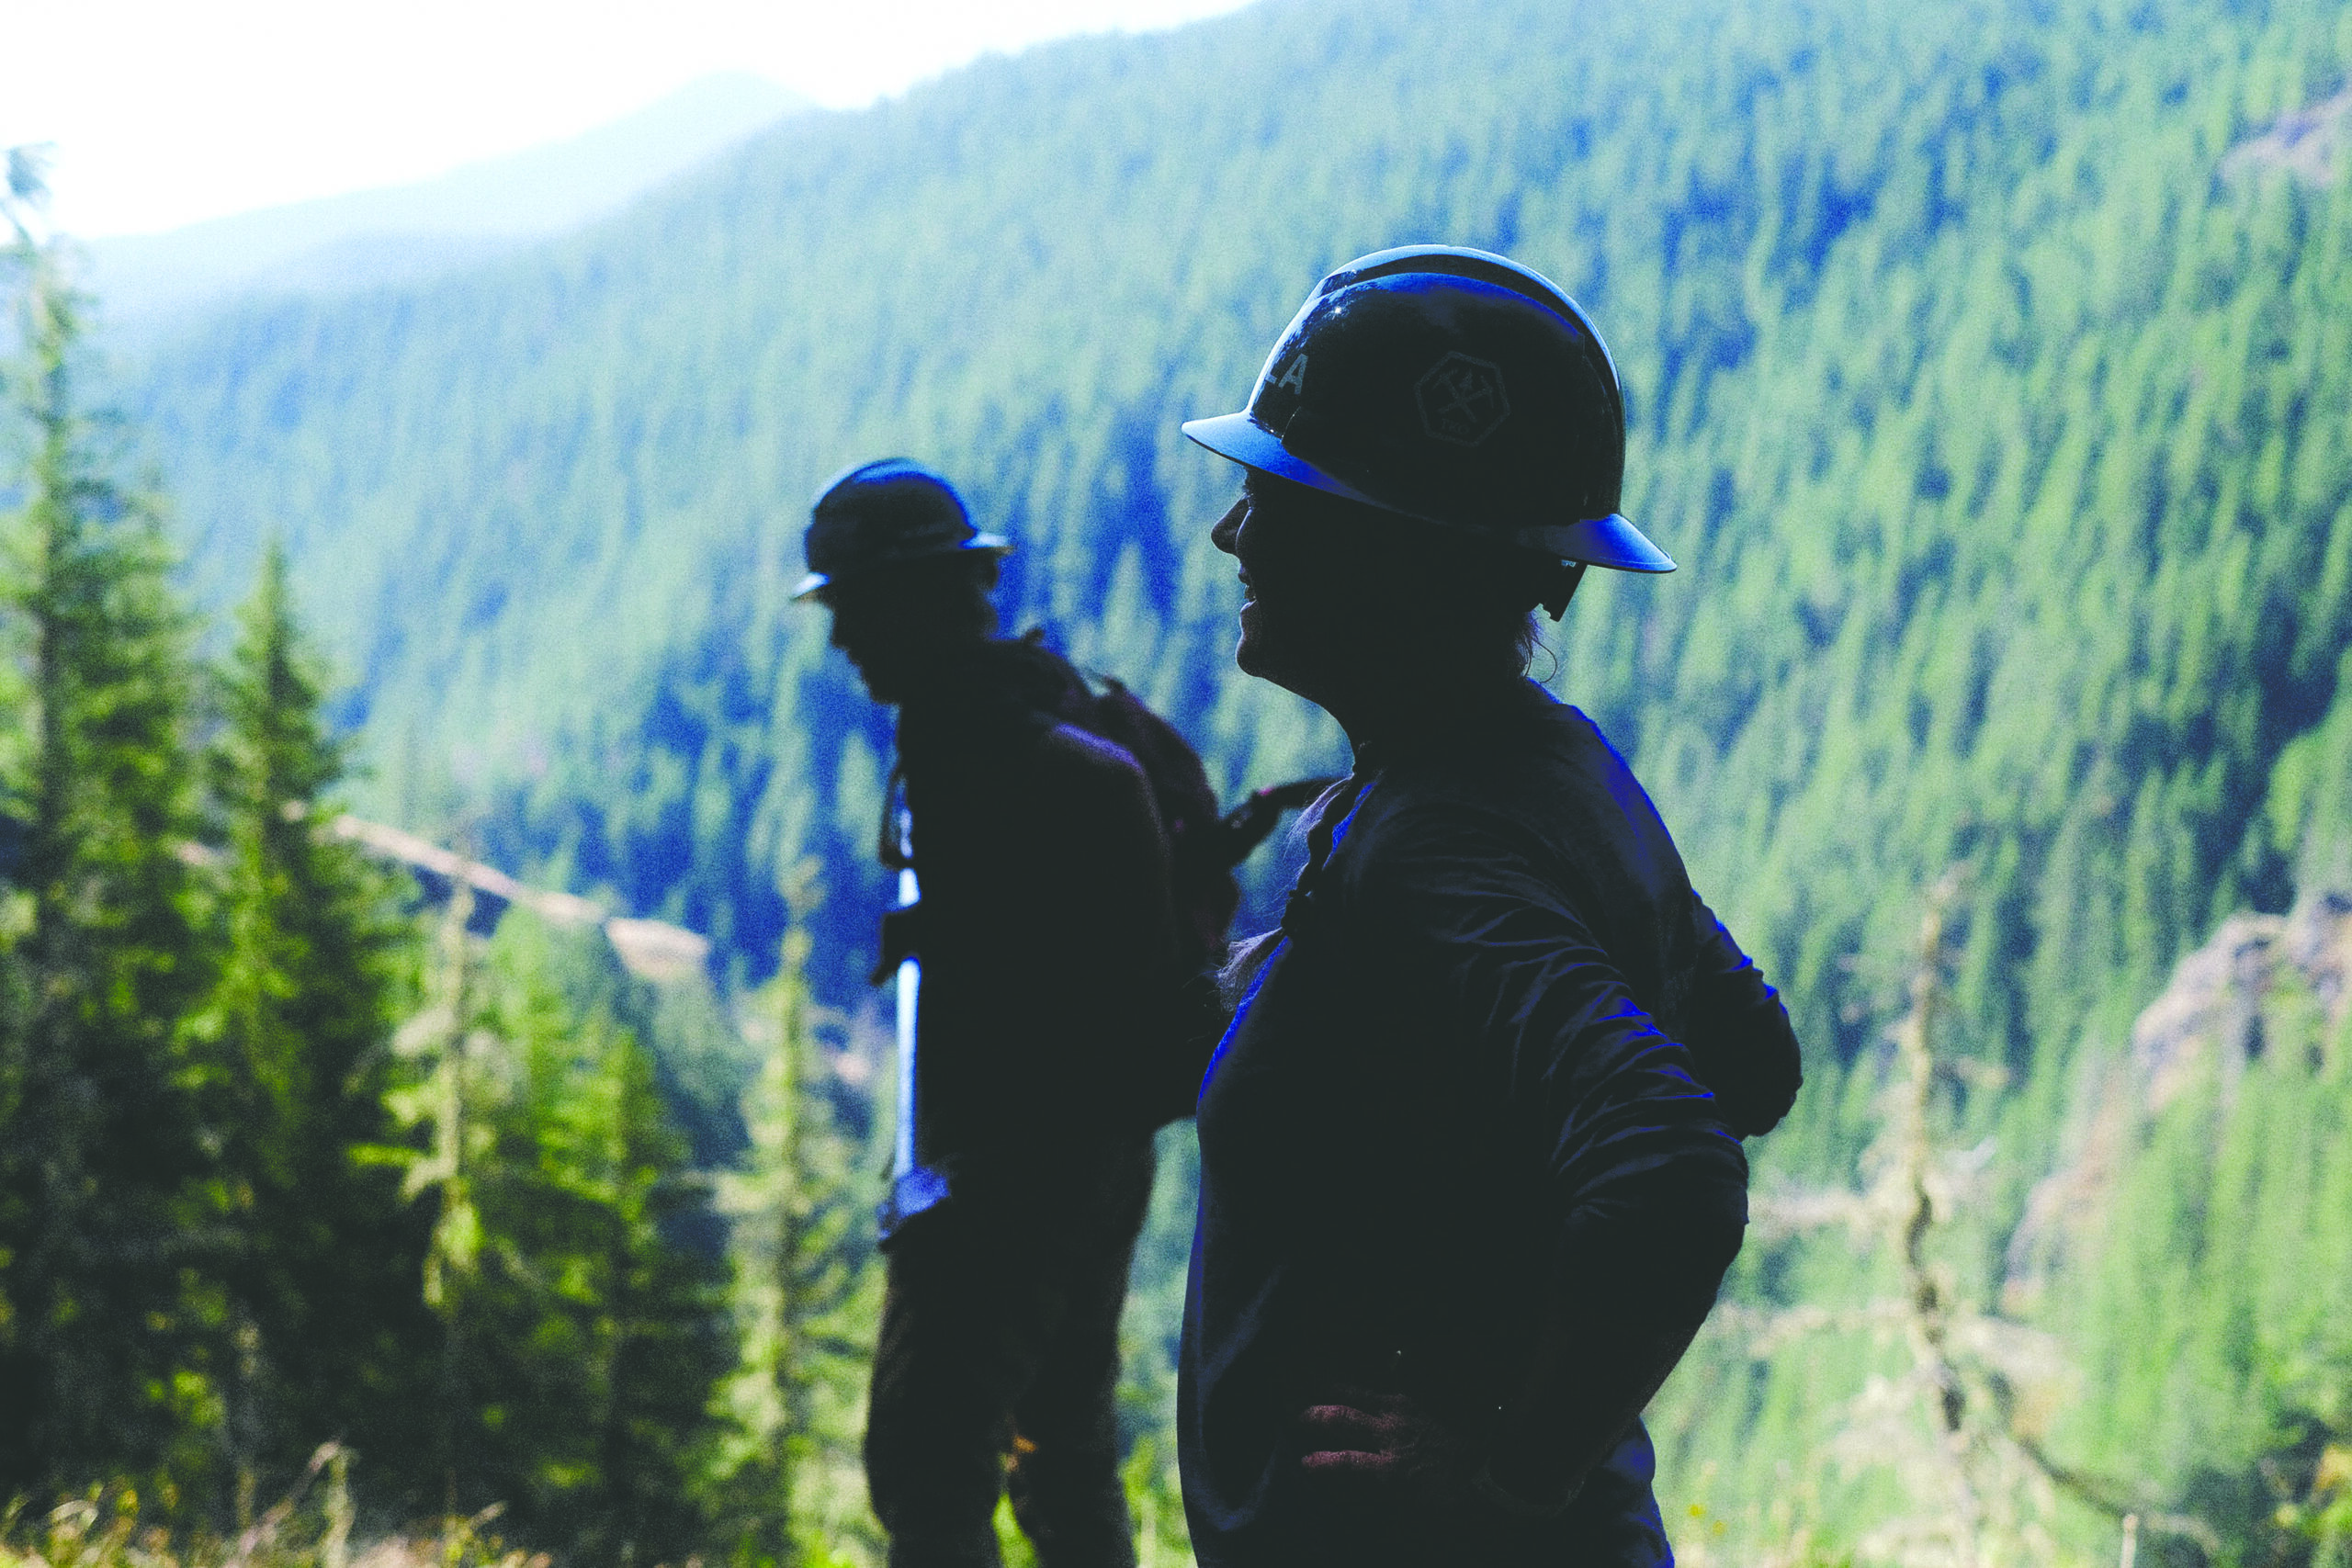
[[1453, 386]]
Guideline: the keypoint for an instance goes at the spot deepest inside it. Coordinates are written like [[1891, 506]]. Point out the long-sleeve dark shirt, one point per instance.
[[1480, 1061]]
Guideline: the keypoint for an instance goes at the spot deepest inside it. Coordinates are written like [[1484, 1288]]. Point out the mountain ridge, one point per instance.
[[402, 234]]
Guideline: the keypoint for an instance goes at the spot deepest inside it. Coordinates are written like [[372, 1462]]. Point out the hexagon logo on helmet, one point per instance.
[[1452, 386], [1462, 400], [884, 513]]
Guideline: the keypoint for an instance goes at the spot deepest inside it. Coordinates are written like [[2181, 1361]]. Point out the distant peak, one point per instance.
[[361, 239]]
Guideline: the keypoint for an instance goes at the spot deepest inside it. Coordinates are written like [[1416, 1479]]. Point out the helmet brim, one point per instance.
[[1610, 541], [817, 582], [1240, 437]]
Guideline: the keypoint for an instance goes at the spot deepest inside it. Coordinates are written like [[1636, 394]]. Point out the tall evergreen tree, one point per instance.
[[108, 1340], [656, 1327], [807, 1284], [598, 1334], [583, 1334], [441, 1102], [321, 1257]]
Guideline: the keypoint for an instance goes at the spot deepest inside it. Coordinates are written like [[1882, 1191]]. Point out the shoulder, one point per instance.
[[1531, 804], [1078, 752], [1073, 760], [1410, 838], [1513, 787], [1552, 778]]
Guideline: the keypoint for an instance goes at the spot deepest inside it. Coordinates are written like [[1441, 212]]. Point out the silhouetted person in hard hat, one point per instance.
[[1045, 931], [1471, 1171]]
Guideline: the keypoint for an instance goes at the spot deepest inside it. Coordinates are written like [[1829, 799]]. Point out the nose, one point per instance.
[[1228, 527]]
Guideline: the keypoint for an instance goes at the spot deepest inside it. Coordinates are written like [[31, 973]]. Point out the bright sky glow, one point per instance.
[[167, 111]]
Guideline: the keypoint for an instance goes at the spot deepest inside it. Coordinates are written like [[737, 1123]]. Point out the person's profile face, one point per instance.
[[879, 629], [902, 623], [1292, 555]]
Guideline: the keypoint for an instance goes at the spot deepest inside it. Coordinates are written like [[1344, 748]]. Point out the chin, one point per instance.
[[1250, 654], [1254, 655], [1249, 651]]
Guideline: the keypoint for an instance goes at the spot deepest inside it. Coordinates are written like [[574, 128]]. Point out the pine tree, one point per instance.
[[582, 1333], [806, 1290], [440, 1103], [110, 1338], [661, 1335], [596, 1334], [320, 1260]]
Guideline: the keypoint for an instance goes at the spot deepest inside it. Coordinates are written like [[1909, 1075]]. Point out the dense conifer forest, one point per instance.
[[1989, 367]]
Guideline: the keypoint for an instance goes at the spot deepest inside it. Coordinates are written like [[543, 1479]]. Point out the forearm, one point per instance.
[[1739, 1032], [1623, 1308]]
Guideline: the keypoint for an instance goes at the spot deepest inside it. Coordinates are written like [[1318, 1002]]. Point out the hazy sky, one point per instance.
[[167, 111]]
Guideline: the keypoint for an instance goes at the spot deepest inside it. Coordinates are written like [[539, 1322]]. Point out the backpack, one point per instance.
[[1204, 845], [1199, 852], [1165, 1078]]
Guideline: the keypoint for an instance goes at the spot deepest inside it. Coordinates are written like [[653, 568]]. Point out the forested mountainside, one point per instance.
[[1991, 424], [1989, 371]]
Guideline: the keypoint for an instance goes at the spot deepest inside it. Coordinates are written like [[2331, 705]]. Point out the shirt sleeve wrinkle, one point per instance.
[[1597, 1097]]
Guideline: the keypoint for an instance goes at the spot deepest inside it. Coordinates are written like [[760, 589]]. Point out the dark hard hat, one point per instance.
[[885, 513], [1453, 386]]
